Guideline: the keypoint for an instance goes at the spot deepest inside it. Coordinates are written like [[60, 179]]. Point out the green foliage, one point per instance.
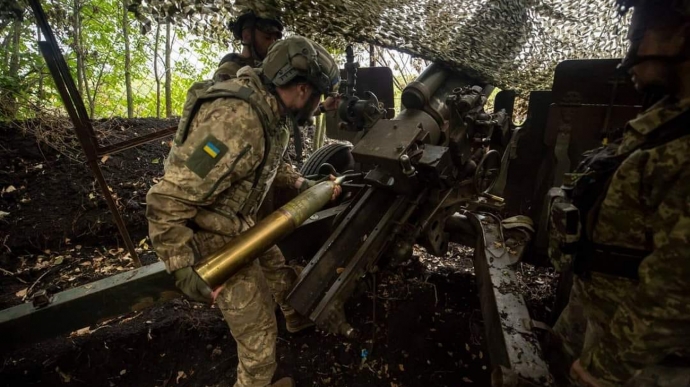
[[27, 87]]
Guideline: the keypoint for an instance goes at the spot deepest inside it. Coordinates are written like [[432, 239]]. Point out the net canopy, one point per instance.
[[513, 44]]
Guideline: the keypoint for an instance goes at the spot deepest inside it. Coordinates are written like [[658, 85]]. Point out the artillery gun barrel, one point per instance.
[[223, 264]]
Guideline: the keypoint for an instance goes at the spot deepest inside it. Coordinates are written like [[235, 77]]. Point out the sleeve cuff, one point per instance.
[[177, 262], [603, 365]]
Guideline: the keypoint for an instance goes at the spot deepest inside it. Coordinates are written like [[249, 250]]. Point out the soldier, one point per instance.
[[227, 151], [257, 30], [628, 318]]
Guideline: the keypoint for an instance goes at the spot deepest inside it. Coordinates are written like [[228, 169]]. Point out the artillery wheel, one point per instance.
[[337, 155]]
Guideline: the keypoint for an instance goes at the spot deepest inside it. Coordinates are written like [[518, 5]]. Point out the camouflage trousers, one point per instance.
[[249, 309], [279, 275], [579, 327], [246, 304]]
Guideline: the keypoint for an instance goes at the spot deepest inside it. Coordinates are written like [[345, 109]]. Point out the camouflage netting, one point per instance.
[[511, 43]]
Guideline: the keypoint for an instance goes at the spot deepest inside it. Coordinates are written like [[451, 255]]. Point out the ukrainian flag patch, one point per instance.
[[206, 155], [211, 149]]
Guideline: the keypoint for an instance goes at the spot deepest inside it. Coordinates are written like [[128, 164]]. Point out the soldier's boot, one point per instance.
[[284, 382], [295, 322]]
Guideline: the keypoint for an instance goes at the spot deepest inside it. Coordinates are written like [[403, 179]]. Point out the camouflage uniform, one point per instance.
[[230, 64], [200, 204], [280, 276], [626, 332]]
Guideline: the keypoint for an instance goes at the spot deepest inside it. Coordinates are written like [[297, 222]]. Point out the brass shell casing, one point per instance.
[[223, 264]]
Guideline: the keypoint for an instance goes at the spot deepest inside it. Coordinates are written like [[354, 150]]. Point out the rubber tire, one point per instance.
[[338, 155]]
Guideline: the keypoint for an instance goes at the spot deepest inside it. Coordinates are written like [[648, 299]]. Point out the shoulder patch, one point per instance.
[[206, 156]]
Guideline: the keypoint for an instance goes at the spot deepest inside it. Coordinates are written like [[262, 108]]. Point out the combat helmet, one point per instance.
[[300, 57], [263, 20], [650, 14]]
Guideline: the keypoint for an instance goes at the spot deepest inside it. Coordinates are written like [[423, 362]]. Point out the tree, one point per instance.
[[168, 70], [76, 44], [128, 60], [155, 70]]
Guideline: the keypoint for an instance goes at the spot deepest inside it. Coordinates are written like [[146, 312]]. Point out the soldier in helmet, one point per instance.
[[257, 30], [227, 151], [627, 322]]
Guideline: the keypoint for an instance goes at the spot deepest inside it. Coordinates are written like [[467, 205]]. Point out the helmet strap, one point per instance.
[[255, 53], [296, 134]]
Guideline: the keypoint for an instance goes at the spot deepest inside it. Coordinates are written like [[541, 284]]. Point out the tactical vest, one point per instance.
[[575, 206], [245, 196], [230, 64]]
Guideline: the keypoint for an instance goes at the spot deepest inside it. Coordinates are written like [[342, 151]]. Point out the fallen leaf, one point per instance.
[[123, 372], [58, 260], [467, 347], [81, 332], [8, 189], [92, 196], [402, 367], [78, 247], [467, 380], [180, 375], [104, 159], [155, 161], [3, 214], [21, 293], [65, 377], [340, 270], [394, 384], [86, 263]]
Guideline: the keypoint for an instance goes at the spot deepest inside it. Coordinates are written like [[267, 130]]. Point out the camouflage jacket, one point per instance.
[[647, 204], [207, 175], [227, 69], [230, 64]]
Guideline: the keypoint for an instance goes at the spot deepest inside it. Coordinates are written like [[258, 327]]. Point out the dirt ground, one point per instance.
[[421, 323]]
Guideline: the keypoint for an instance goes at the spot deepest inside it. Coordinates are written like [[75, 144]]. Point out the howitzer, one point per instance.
[[428, 175], [443, 180]]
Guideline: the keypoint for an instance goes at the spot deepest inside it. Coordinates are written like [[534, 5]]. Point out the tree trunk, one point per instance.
[[41, 87], [8, 99], [76, 30], [168, 71], [128, 59], [155, 70], [5, 47], [16, 40]]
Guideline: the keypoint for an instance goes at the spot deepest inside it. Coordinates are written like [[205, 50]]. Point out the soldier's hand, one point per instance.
[[303, 184], [337, 190], [582, 377], [189, 282]]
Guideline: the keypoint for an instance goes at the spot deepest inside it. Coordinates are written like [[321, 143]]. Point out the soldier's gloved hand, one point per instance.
[[189, 282], [304, 184], [582, 377], [337, 190]]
